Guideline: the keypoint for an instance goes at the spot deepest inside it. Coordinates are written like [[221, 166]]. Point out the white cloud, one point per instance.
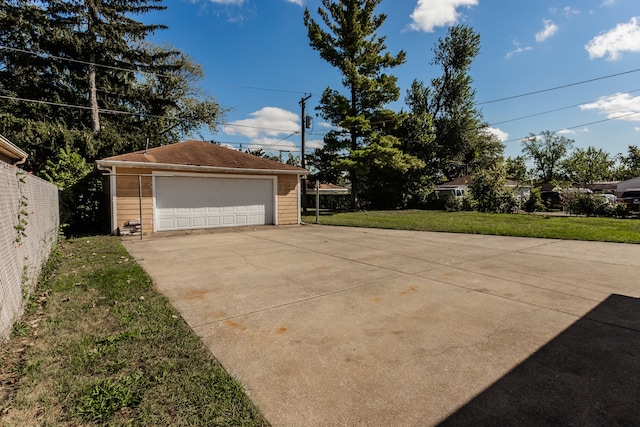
[[298, 2], [519, 49], [566, 11], [231, 2], [313, 144], [269, 121], [429, 14], [498, 133], [623, 38], [572, 131], [229, 146], [548, 31], [637, 128], [620, 105], [608, 2]]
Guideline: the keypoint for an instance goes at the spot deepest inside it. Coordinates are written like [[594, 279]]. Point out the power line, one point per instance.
[[580, 126], [131, 70], [81, 107], [77, 61], [557, 87], [131, 113], [107, 111], [561, 108], [294, 148]]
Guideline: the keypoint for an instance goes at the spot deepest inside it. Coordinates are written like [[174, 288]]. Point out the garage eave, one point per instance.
[[11, 151], [196, 168]]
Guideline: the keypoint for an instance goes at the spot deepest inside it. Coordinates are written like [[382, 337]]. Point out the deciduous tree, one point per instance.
[[462, 140], [547, 151], [584, 167], [629, 165]]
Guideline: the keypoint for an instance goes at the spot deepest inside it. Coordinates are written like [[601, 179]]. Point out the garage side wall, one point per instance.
[[288, 199], [127, 196]]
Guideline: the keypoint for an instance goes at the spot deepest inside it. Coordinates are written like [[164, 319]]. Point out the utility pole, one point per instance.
[[302, 146]]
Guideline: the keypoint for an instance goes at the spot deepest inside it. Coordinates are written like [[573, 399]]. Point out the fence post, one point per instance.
[[317, 202]]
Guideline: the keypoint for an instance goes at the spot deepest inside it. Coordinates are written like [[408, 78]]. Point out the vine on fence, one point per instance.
[[23, 214]]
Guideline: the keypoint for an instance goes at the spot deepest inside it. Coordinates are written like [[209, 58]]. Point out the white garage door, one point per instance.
[[184, 203]]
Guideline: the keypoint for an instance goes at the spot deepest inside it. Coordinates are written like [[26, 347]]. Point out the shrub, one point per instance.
[[534, 202], [453, 205], [489, 191], [593, 205]]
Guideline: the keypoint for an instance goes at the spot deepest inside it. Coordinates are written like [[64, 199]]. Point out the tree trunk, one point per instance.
[[93, 18], [354, 146], [93, 95]]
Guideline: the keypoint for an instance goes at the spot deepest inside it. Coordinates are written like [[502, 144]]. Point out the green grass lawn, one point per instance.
[[523, 225], [99, 346]]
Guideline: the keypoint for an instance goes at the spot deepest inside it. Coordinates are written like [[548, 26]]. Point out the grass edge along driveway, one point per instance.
[[99, 346], [517, 225]]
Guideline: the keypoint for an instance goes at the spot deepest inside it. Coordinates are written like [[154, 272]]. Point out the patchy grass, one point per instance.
[[543, 226], [98, 346]]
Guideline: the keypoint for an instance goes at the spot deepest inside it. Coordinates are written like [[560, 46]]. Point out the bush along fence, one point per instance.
[[29, 222]]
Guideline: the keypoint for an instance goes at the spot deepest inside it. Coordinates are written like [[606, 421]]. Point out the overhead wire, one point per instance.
[[131, 113], [561, 108], [131, 70], [557, 87], [77, 61], [581, 125], [107, 111]]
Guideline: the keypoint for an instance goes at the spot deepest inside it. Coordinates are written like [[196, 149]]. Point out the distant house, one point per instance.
[[455, 188], [605, 187], [196, 184], [10, 153], [627, 185], [327, 189], [459, 187]]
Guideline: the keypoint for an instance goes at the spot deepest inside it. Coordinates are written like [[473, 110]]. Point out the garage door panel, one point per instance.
[[199, 221], [182, 222], [196, 202], [256, 219]]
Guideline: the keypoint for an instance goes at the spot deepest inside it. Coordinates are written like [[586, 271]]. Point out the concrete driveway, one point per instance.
[[332, 326]]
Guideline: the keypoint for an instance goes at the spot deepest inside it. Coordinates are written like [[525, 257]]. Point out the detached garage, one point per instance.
[[195, 184]]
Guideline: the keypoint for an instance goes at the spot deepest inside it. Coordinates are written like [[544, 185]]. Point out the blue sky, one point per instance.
[[258, 62]]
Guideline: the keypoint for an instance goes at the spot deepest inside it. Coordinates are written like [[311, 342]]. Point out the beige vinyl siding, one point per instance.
[[287, 199], [128, 200]]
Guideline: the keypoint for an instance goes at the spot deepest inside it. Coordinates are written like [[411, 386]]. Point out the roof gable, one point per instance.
[[201, 153]]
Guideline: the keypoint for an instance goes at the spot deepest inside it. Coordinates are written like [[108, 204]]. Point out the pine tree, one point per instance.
[[94, 55], [348, 41]]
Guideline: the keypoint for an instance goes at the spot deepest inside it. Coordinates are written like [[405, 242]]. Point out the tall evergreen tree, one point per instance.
[[348, 40], [105, 87]]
